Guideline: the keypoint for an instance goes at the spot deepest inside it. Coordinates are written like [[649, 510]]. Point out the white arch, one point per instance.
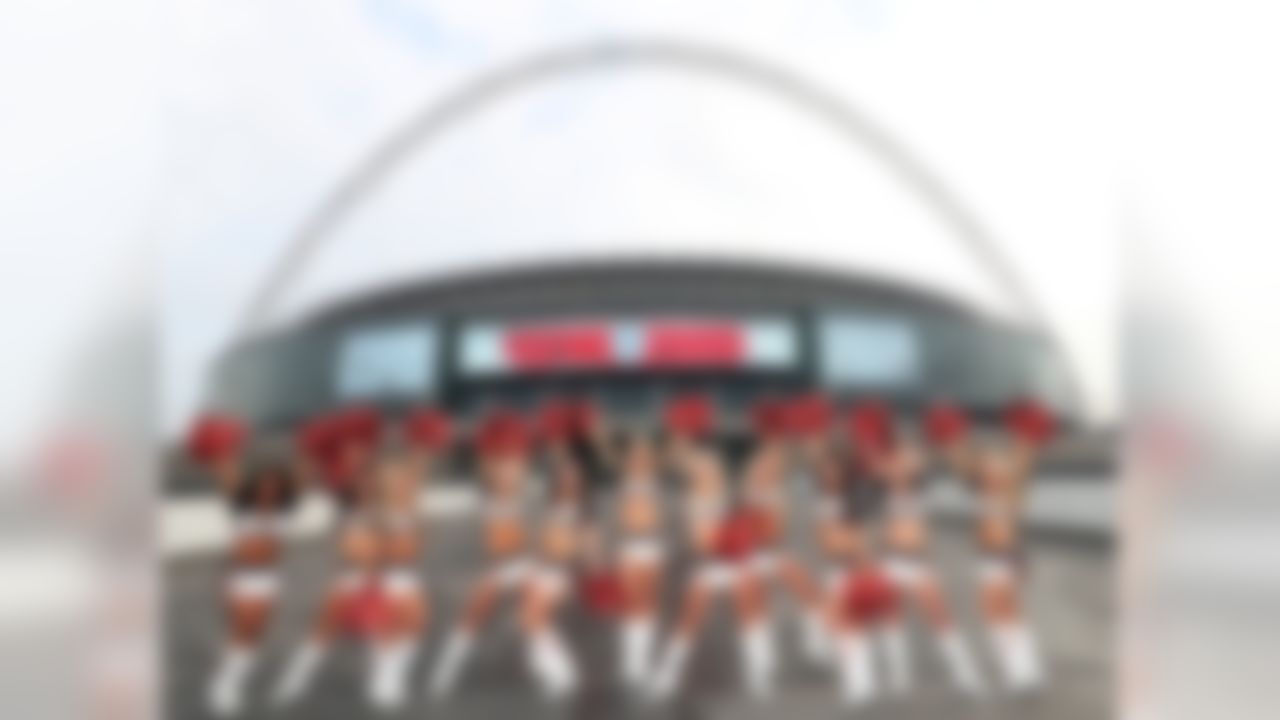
[[437, 118]]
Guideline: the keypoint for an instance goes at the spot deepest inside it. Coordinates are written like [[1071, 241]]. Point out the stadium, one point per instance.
[[630, 325], [630, 332]]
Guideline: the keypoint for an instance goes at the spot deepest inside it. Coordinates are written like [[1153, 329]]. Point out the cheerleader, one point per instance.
[[1000, 571], [720, 542], [581, 437], [998, 475], [858, 601], [1000, 487], [818, 459], [503, 454], [341, 451], [560, 545], [765, 492], [841, 510], [579, 442], [904, 530], [260, 497], [832, 519], [402, 536], [641, 557]]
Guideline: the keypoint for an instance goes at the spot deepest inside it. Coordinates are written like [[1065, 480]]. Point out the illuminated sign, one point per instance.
[[584, 346], [683, 344], [656, 343]]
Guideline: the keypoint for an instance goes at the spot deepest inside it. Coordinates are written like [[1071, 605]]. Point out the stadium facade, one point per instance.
[[630, 334]]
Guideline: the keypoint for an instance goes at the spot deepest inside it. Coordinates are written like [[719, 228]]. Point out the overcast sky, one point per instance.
[[209, 129], [631, 162]]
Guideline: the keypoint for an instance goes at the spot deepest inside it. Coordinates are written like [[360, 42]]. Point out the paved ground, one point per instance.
[[1071, 596]]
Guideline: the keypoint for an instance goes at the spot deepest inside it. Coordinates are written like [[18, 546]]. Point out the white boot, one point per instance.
[[893, 641], [445, 674], [960, 662], [387, 673], [855, 670], [1019, 653], [226, 686], [298, 673], [636, 640], [758, 659], [551, 664], [817, 646], [670, 670]]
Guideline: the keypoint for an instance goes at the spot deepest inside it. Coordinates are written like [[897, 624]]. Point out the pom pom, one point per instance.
[[582, 416], [690, 415], [871, 427], [561, 420], [1030, 421], [318, 438], [811, 414], [945, 423], [214, 438], [326, 441], [502, 434], [769, 418], [428, 429], [360, 424]]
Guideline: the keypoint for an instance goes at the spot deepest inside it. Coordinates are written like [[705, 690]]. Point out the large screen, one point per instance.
[[650, 343], [388, 361], [866, 350]]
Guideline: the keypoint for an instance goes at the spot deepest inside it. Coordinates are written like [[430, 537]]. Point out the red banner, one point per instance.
[[694, 345], [559, 347]]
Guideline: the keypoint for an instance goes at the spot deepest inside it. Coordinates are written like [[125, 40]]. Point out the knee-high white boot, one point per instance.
[[550, 662], [814, 631], [961, 665], [855, 669], [757, 659], [226, 685], [1018, 651], [298, 673], [388, 669], [893, 641], [636, 641], [447, 669], [670, 669]]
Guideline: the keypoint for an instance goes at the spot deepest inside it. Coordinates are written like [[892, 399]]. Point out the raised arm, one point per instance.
[[879, 445], [315, 444], [216, 444], [606, 445], [1030, 427], [947, 429], [428, 435]]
